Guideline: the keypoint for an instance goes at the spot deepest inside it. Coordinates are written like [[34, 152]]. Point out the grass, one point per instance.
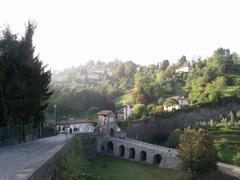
[[112, 168], [126, 98], [230, 90], [231, 134]]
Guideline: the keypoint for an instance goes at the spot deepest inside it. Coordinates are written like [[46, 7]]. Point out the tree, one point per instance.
[[236, 159], [173, 139], [164, 64], [197, 152], [139, 110], [182, 61], [24, 91]]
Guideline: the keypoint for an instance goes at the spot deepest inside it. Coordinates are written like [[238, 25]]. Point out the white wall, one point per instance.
[[77, 128]]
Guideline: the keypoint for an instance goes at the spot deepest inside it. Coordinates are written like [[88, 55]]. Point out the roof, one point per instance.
[[75, 121], [105, 112], [126, 105], [178, 98]]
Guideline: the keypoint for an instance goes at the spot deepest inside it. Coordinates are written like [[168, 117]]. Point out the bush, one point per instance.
[[93, 109], [220, 145], [236, 159], [197, 153], [139, 110], [173, 139]]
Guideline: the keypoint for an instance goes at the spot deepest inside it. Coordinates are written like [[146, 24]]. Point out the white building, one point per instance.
[[76, 126], [127, 111], [177, 103], [186, 68]]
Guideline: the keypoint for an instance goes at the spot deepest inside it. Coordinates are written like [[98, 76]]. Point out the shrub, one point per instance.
[[197, 153], [139, 110], [93, 109], [173, 139], [236, 159], [220, 145]]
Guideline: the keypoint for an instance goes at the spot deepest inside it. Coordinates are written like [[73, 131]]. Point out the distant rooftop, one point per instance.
[[105, 112], [75, 121]]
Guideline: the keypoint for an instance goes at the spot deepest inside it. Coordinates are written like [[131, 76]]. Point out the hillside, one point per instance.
[[97, 85]]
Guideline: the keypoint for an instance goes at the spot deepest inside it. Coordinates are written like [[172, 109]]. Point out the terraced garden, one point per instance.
[[230, 136]]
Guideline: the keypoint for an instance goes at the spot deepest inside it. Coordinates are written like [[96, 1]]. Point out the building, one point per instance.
[[176, 102], [105, 117], [127, 111], [108, 123], [76, 126], [185, 68]]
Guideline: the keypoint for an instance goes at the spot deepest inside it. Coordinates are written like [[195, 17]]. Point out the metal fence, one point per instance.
[[13, 135]]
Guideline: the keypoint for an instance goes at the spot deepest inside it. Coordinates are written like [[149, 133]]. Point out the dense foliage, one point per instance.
[[207, 80], [197, 152], [174, 138], [24, 81]]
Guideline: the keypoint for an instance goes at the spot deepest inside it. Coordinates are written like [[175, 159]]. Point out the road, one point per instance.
[[17, 157]]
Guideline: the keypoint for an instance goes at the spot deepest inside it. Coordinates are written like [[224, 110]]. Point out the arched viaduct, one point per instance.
[[140, 151]]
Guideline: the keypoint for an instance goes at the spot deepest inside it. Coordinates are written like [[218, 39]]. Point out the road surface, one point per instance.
[[18, 157]]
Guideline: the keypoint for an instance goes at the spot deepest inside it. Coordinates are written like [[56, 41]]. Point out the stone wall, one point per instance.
[[141, 152], [45, 166], [150, 130]]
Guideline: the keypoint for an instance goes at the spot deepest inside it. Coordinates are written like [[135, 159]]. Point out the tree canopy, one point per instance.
[[24, 81]]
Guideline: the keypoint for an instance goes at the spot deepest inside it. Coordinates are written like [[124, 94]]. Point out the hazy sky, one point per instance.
[[71, 32]]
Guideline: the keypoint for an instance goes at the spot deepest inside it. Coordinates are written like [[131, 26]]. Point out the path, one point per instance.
[[17, 157]]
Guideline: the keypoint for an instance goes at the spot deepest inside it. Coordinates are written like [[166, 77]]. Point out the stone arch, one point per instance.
[[143, 156], [110, 147], [131, 153], [121, 151], [111, 132], [157, 158]]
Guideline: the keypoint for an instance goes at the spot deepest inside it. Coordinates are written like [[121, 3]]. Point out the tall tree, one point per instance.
[[24, 81]]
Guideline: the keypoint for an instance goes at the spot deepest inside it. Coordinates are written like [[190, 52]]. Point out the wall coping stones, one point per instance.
[[33, 168]]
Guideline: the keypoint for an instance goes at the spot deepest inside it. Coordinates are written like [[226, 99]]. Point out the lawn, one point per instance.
[[126, 98], [112, 168]]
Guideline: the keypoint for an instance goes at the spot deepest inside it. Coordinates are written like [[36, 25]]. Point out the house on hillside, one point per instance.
[[176, 102], [124, 112], [185, 68], [74, 126], [127, 111]]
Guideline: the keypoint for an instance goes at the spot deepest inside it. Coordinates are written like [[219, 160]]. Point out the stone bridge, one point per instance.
[[139, 151]]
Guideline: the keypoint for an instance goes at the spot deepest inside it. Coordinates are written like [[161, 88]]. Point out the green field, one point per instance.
[[111, 168], [126, 98], [231, 135]]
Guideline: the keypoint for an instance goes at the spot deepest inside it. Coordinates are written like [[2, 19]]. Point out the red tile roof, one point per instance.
[[76, 121], [105, 112]]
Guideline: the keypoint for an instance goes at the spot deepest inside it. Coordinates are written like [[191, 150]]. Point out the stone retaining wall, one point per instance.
[[43, 168], [233, 172], [152, 130]]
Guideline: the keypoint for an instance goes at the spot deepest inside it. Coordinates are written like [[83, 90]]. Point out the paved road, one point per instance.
[[17, 157]]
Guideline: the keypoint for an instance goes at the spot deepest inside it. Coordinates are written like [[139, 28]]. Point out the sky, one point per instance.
[[72, 32]]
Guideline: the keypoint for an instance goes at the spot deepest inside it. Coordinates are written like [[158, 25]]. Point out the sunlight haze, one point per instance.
[[72, 32]]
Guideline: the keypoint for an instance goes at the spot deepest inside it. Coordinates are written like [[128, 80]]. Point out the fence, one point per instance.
[[13, 135]]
